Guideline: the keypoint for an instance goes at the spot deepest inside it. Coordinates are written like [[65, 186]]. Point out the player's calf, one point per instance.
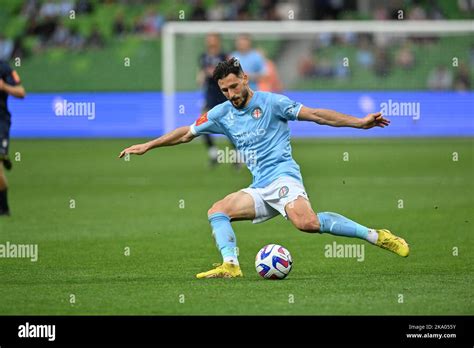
[[339, 225], [236, 206]]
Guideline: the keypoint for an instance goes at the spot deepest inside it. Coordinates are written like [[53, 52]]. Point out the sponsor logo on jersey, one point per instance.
[[202, 119]]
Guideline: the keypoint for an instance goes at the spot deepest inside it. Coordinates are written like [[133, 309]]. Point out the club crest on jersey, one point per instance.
[[283, 191], [257, 113]]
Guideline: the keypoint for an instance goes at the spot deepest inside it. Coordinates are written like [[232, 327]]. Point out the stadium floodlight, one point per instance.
[[286, 29]]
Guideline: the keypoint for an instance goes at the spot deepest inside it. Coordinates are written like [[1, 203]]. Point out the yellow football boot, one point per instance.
[[389, 241], [225, 270]]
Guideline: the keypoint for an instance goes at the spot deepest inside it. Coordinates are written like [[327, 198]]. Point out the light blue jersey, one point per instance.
[[251, 62], [260, 132]]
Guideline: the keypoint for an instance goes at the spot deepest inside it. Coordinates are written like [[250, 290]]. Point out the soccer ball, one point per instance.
[[273, 262]]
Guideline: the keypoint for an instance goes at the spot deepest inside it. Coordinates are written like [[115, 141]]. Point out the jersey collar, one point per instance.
[[249, 106]]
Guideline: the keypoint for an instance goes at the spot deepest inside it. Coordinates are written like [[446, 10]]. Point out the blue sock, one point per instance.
[[341, 226], [224, 236]]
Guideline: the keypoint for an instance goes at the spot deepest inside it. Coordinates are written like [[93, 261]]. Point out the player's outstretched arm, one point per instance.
[[180, 135], [337, 119]]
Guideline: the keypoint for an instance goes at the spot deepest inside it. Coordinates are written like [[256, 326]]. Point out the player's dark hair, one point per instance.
[[227, 67]]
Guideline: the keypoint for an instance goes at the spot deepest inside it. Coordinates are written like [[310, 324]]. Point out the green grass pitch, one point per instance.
[[139, 205]]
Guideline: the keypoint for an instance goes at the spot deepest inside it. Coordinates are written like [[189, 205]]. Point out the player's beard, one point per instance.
[[243, 98]]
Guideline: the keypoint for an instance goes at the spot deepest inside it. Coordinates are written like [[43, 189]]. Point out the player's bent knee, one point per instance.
[[218, 207], [214, 209]]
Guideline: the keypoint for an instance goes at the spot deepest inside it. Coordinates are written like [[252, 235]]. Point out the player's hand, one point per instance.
[[374, 120], [139, 149], [2, 85]]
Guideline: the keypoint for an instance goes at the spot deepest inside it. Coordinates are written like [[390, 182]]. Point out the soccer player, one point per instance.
[[213, 95], [251, 61], [257, 124], [9, 85]]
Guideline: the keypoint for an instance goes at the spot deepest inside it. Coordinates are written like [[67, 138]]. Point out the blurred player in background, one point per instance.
[[250, 59], [262, 133], [271, 81], [212, 93], [9, 85]]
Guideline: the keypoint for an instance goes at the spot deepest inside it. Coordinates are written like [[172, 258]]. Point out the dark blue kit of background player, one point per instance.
[[11, 78], [213, 93]]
